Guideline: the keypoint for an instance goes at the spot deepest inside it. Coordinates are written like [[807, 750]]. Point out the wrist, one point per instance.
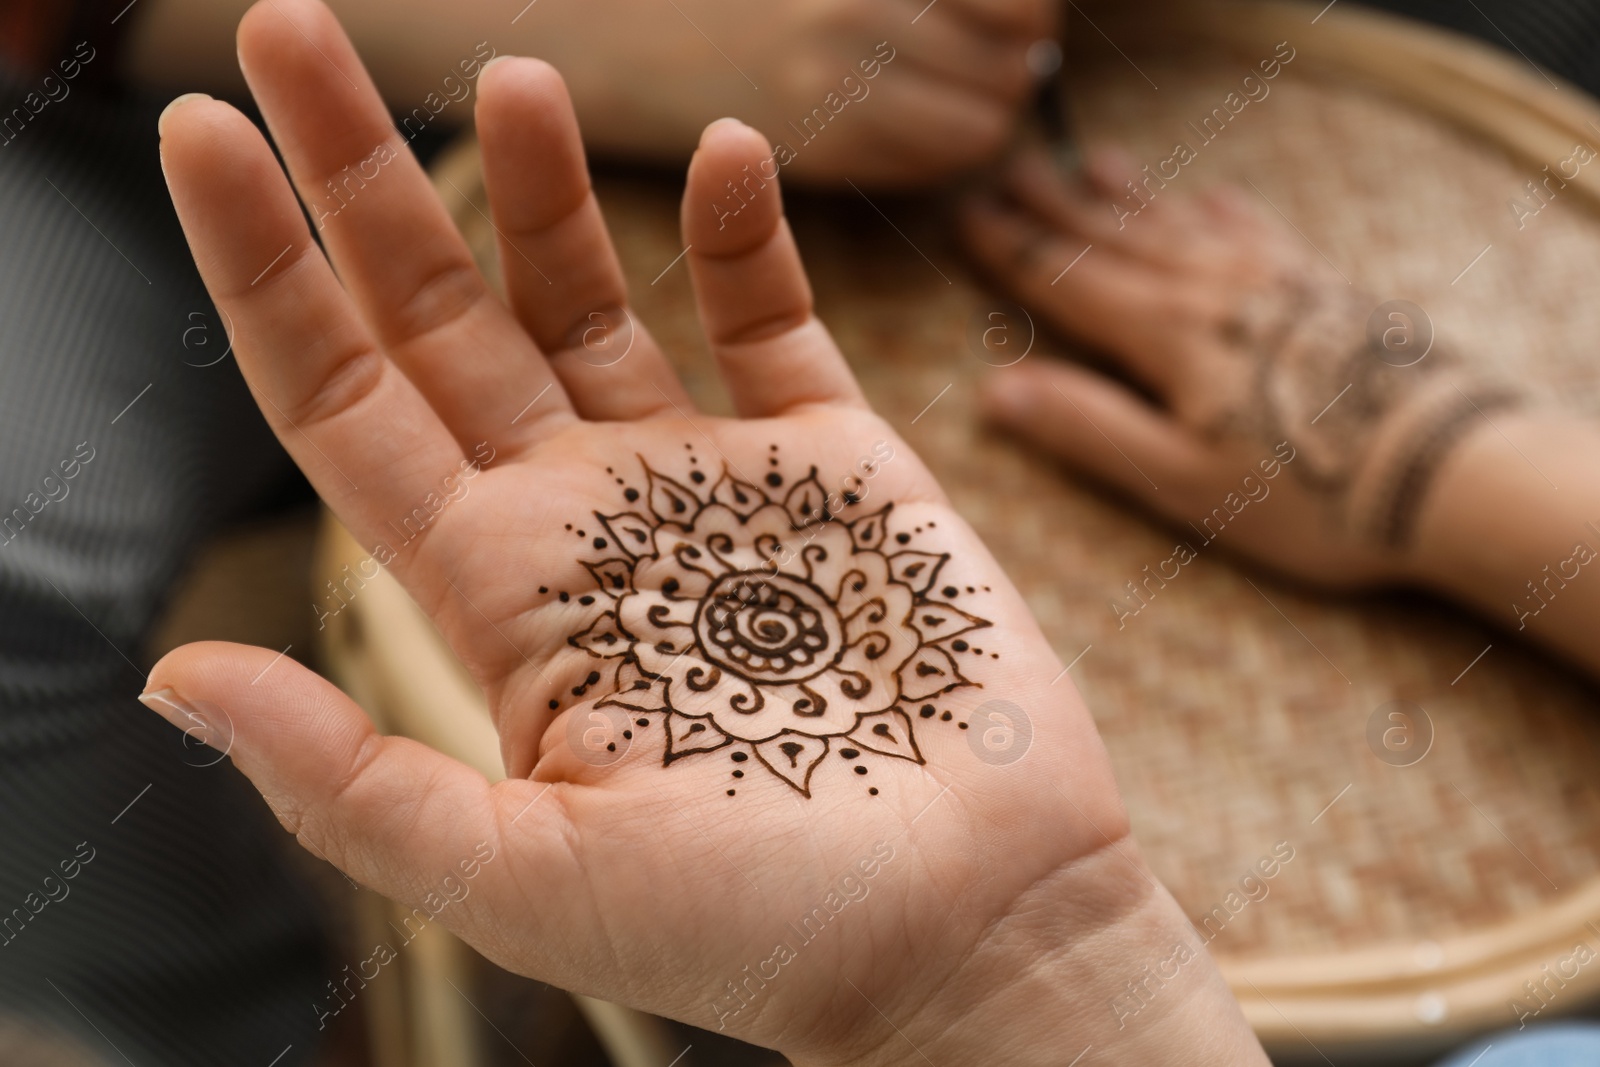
[[1409, 450], [1097, 955], [1514, 496]]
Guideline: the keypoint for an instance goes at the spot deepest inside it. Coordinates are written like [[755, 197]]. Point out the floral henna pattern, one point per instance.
[[768, 628], [1309, 375], [1316, 371]]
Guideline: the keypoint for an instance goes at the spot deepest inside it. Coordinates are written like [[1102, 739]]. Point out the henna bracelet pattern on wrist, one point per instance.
[[1393, 519], [1321, 378]]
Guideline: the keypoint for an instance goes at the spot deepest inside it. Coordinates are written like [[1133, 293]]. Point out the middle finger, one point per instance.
[[395, 247]]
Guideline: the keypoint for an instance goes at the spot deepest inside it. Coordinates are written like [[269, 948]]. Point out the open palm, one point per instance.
[[787, 754]]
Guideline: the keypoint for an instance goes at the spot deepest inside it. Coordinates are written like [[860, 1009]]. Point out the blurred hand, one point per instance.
[[883, 92], [880, 92], [805, 827], [1287, 416]]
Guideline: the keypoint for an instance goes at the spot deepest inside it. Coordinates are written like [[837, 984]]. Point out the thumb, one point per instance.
[[390, 812], [1101, 428]]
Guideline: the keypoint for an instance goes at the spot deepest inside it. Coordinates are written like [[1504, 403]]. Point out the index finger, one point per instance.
[[360, 430]]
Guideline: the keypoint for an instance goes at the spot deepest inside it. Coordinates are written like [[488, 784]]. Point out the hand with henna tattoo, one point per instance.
[[846, 805], [1261, 358]]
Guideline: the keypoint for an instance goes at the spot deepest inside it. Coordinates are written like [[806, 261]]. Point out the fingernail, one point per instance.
[[161, 123], [185, 716], [497, 59]]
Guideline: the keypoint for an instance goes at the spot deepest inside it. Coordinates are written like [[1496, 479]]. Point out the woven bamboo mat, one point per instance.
[[1237, 714], [1232, 729]]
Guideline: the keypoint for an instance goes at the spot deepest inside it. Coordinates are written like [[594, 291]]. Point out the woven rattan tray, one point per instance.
[[1419, 898]]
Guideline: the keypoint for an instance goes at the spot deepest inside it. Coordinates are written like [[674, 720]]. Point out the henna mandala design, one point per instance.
[[769, 628]]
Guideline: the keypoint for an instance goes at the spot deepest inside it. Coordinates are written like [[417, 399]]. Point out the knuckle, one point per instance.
[[360, 765], [441, 296], [349, 372], [551, 213]]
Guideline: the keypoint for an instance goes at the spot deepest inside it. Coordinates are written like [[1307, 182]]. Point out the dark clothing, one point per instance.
[[1563, 36], [172, 925]]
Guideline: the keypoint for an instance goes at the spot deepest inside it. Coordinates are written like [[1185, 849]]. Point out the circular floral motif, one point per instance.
[[770, 625]]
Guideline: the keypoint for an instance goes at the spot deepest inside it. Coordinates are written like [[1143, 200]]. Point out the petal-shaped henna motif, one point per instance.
[[614, 576], [916, 569], [635, 691], [742, 497], [793, 757], [929, 671], [602, 638], [686, 735], [888, 733], [938, 622], [670, 500], [869, 531], [631, 532], [807, 502]]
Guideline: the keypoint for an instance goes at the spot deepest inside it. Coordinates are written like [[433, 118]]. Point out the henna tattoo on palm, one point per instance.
[[768, 628]]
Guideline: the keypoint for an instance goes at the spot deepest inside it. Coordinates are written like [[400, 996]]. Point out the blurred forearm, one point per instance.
[[1512, 527], [905, 100], [410, 45], [421, 53]]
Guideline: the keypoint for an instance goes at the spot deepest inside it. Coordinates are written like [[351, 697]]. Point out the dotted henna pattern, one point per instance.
[[766, 628]]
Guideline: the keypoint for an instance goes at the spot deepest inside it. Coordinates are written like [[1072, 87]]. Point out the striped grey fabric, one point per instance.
[[144, 907], [1561, 35]]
